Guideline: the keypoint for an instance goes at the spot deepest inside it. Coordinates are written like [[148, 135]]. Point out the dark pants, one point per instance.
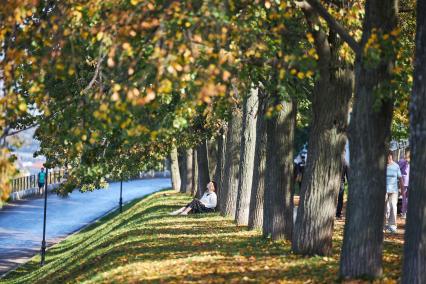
[[198, 207], [340, 200], [40, 185]]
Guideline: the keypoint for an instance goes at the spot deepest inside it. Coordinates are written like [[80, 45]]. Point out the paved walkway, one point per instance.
[[21, 223]]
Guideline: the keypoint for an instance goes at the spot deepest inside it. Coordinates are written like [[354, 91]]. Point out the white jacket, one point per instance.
[[209, 199]]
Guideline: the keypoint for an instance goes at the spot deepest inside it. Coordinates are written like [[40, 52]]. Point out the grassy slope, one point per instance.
[[144, 244]]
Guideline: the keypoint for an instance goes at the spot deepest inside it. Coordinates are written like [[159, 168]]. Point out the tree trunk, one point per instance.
[[175, 169], [369, 133], [248, 142], [194, 188], [220, 169], [321, 180], [232, 160], [189, 171], [182, 170], [212, 154], [314, 226], [415, 230], [258, 185], [203, 168], [277, 211]]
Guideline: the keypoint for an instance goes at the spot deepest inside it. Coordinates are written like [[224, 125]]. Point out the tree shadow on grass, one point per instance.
[[86, 233], [146, 236]]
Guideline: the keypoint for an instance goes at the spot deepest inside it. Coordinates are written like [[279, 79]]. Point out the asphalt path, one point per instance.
[[21, 223]]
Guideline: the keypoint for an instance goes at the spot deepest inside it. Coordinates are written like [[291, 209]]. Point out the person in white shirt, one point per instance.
[[207, 203]]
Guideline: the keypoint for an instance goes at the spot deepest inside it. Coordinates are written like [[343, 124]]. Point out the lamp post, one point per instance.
[[43, 243], [121, 195]]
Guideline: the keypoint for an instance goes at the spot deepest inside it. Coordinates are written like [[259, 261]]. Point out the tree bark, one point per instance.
[[203, 168], [258, 185], [182, 170], [220, 169], [314, 225], [194, 188], [415, 230], [212, 154], [248, 140], [277, 211], [189, 171], [369, 134], [176, 181], [232, 160]]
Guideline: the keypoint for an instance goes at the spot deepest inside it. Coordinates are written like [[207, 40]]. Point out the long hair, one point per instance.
[[215, 185]]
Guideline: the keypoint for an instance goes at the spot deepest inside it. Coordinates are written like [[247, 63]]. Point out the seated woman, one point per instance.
[[207, 203]]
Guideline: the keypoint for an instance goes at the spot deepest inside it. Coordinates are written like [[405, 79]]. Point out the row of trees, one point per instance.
[[227, 88]]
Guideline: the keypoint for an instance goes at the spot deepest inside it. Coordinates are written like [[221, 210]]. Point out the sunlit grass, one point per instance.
[[145, 244]]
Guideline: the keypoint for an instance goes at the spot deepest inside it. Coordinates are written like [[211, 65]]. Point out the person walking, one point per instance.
[[299, 168], [393, 183], [404, 165], [344, 179], [41, 180]]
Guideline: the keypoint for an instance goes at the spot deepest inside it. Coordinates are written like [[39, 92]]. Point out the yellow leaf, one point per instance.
[[22, 107], [282, 74], [165, 86], [103, 107], [99, 36]]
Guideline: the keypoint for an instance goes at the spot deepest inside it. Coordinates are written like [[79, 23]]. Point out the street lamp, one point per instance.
[[121, 195], [43, 243]]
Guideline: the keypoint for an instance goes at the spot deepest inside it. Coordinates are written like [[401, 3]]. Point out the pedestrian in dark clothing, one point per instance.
[[299, 168], [404, 165], [344, 179]]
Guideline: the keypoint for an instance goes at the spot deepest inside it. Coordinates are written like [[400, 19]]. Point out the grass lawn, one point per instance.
[[145, 244]]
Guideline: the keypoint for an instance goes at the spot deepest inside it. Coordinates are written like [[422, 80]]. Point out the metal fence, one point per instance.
[[27, 182]]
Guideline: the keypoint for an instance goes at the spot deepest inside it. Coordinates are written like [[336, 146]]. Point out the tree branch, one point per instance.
[[333, 24], [6, 133], [321, 42], [98, 66]]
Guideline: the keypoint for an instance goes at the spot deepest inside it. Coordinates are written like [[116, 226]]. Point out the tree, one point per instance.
[[182, 170], [194, 188], [277, 212], [321, 179], [369, 134], [248, 140], [188, 172], [16, 105], [258, 184], [232, 162], [220, 168], [415, 243], [176, 179], [203, 168], [212, 154]]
